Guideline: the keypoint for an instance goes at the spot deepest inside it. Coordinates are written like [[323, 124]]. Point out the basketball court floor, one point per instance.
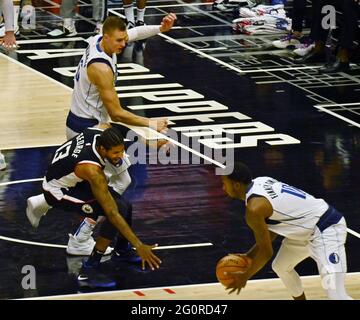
[[285, 121]]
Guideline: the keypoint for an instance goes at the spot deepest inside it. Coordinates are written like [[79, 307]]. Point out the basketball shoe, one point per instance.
[[82, 243], [126, 255], [91, 276], [36, 208]]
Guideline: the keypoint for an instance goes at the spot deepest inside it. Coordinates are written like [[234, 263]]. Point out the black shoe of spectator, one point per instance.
[[337, 66], [311, 57]]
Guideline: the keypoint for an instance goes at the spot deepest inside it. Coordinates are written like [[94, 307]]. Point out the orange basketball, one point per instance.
[[231, 263]]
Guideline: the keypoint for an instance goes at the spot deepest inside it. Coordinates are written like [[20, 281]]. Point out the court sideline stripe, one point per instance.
[[166, 287]]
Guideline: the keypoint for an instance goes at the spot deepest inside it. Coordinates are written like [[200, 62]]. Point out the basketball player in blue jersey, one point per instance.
[[310, 227], [94, 100], [75, 181]]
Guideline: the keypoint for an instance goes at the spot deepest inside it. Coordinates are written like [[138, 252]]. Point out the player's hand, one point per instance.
[[9, 41], [160, 124], [147, 256], [168, 22], [239, 282]]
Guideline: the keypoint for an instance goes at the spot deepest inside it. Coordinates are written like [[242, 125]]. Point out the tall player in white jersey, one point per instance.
[[95, 100], [310, 227]]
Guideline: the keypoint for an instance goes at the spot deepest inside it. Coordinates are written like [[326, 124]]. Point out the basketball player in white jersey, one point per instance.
[[95, 100], [310, 227]]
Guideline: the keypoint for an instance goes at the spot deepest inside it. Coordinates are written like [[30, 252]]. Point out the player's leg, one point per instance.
[[291, 253], [99, 13], [129, 13], [37, 207], [2, 162], [16, 15], [328, 250], [68, 12], [90, 274], [140, 12], [123, 251], [82, 243]]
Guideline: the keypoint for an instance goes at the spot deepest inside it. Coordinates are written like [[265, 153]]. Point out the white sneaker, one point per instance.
[[36, 208], [286, 42], [98, 29], [82, 248], [304, 48], [67, 31], [2, 162]]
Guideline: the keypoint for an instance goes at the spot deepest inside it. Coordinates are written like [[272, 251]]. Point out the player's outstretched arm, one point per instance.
[[101, 75], [144, 32], [95, 176]]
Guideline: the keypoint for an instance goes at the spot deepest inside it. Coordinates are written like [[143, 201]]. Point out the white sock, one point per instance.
[[68, 23], [16, 16], [85, 230], [129, 13], [140, 14]]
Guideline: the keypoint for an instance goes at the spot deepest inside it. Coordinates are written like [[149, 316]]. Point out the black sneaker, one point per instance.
[[129, 255], [140, 23], [335, 67], [91, 277], [130, 25]]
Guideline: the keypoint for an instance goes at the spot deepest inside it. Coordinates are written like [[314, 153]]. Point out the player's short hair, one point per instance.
[[241, 173], [112, 23], [111, 137]]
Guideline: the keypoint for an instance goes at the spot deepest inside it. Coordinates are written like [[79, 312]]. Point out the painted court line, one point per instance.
[[173, 288], [203, 54], [352, 232], [338, 116], [161, 136], [61, 246], [338, 104]]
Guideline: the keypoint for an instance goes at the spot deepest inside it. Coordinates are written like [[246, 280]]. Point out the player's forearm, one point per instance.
[[8, 13], [111, 211], [117, 113], [255, 248], [259, 261], [121, 225], [130, 118], [142, 32]]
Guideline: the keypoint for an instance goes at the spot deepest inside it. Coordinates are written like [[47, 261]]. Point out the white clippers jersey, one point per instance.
[[295, 211], [86, 102], [118, 176]]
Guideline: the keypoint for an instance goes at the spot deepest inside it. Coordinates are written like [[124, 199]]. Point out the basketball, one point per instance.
[[231, 263]]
